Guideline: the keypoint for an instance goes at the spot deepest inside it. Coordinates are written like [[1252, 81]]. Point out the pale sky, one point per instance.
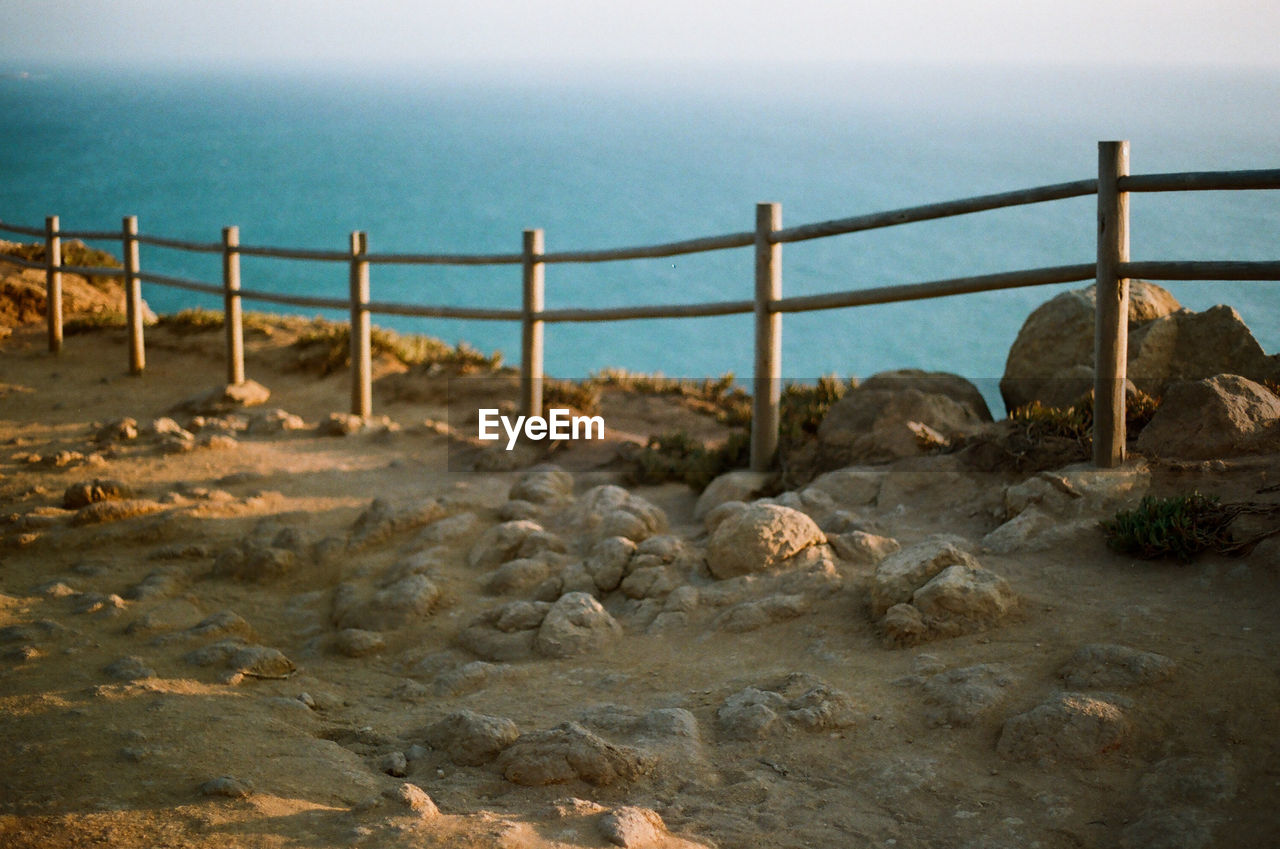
[[758, 32]]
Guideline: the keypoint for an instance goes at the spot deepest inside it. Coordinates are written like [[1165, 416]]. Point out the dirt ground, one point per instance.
[[96, 749]]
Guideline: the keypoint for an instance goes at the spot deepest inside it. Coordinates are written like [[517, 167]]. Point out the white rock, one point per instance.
[[759, 538], [900, 574], [738, 485], [576, 624]]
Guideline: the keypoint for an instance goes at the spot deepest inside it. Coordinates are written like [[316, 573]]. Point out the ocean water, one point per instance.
[[462, 161]]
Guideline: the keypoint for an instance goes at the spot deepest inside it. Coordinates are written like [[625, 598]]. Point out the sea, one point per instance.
[[463, 159]]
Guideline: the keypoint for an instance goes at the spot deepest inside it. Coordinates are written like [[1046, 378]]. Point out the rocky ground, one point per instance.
[[227, 625]]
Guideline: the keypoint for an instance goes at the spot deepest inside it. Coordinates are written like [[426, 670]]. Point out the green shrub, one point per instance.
[[1181, 527], [1076, 421]]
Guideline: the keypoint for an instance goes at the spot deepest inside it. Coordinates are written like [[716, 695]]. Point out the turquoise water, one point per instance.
[[462, 162]]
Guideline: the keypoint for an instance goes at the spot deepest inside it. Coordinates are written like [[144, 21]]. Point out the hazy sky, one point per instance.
[[1178, 32]]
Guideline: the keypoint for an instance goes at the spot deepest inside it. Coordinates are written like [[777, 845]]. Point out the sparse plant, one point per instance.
[[90, 322], [192, 320], [326, 346], [676, 456], [803, 407], [1181, 527], [1039, 421], [583, 396]]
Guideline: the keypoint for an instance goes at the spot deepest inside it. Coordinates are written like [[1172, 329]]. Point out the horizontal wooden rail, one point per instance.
[[182, 244], [20, 262], [296, 300], [91, 270], [688, 246], [936, 288], [664, 311], [113, 235], [23, 231], [1202, 181], [1212, 270], [928, 212], [481, 313], [443, 259], [295, 253], [1112, 270], [177, 283]]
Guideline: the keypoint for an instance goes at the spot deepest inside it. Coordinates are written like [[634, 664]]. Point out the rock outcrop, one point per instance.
[[1051, 361], [759, 537], [1222, 416], [898, 414]]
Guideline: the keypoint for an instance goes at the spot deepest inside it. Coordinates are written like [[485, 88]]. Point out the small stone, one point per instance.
[[632, 827], [569, 752], [231, 788], [576, 624], [394, 763], [88, 492], [356, 642], [414, 798], [129, 669], [470, 738]]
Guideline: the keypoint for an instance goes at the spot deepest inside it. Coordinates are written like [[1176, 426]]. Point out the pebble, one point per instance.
[[395, 764], [129, 669], [231, 788]]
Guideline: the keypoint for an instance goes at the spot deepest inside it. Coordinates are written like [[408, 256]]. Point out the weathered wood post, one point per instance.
[[361, 343], [767, 380], [531, 327], [233, 318], [53, 282], [133, 296], [1111, 323]]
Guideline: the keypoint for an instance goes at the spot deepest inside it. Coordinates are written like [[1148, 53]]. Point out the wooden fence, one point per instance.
[[1112, 271]]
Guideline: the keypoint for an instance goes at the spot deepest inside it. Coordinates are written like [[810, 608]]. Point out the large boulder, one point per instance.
[[1187, 345], [758, 538], [1222, 416], [957, 388], [1052, 359], [894, 415]]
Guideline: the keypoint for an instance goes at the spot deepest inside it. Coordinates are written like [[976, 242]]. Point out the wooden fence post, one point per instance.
[[133, 296], [361, 343], [53, 282], [531, 337], [767, 379], [233, 318], [1111, 323]]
